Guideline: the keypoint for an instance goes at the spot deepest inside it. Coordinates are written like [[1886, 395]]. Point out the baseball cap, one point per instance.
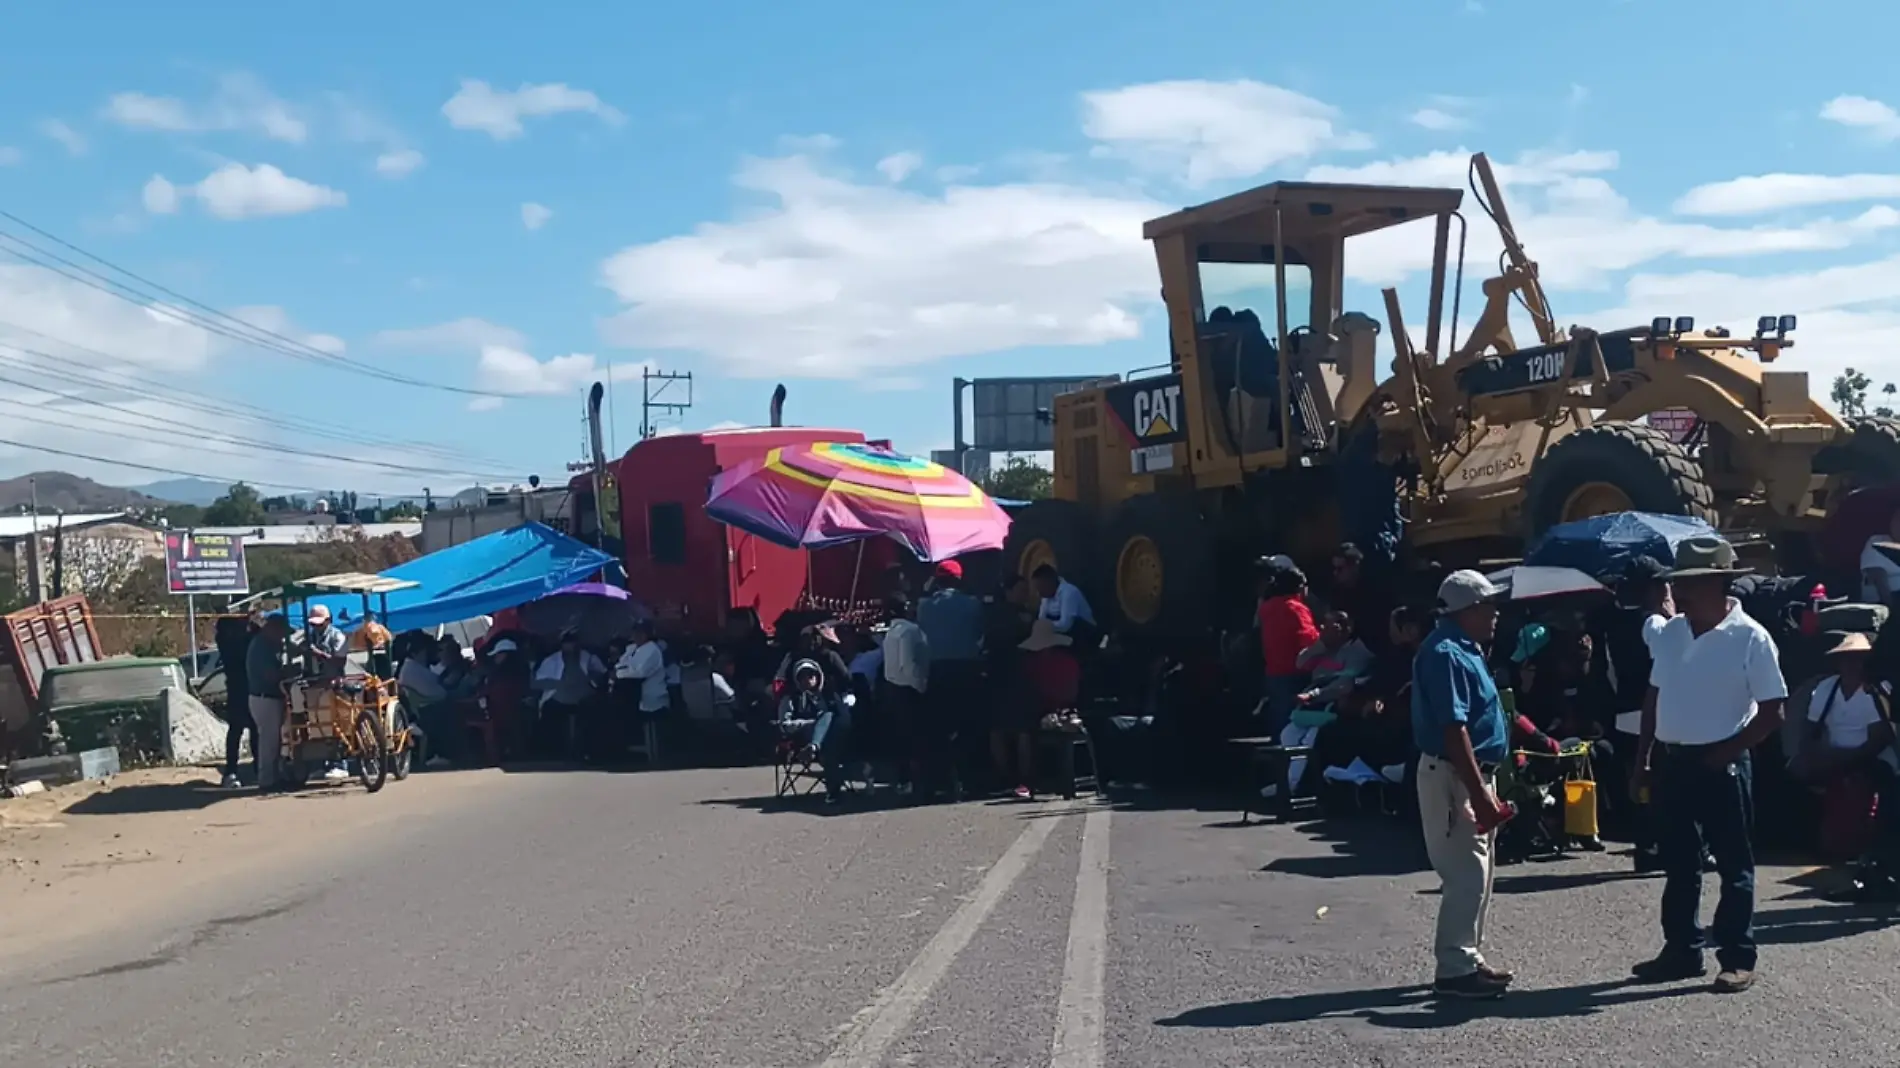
[[950, 569], [319, 613], [1463, 589]]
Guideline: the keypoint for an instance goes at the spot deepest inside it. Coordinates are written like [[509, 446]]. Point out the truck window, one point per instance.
[[1240, 287], [666, 533]]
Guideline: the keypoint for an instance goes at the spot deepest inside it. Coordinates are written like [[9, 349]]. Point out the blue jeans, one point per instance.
[[1283, 692], [1694, 806]]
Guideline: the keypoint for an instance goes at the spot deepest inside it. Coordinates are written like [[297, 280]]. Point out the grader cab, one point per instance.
[[1273, 429]]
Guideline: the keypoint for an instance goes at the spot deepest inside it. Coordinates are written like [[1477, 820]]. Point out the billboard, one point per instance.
[[1006, 410], [205, 563]]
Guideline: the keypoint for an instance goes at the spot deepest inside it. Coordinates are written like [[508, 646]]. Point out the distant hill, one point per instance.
[[61, 492], [198, 491]]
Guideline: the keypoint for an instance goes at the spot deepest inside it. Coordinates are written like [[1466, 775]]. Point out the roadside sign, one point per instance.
[[205, 563], [1010, 413]]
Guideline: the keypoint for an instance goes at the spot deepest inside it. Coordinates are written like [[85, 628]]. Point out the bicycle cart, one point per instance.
[[355, 718]]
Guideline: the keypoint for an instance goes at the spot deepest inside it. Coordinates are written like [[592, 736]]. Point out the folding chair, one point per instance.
[[796, 770]]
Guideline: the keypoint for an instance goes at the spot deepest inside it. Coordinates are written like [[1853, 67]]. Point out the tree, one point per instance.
[[1849, 395], [401, 510], [1020, 478], [239, 507]]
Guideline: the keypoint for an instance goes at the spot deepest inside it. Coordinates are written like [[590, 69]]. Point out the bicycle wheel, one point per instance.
[[372, 751], [402, 747]]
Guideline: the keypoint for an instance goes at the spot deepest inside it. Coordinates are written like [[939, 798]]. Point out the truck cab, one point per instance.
[[692, 570]]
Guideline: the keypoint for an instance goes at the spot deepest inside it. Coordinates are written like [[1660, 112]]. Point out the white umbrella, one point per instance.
[[1529, 583]]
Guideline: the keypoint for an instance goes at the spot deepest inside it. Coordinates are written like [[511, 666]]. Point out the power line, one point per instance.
[[223, 407], [157, 470], [211, 319], [199, 435]]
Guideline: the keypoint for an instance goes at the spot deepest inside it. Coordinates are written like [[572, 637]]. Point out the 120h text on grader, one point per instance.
[[1272, 430]]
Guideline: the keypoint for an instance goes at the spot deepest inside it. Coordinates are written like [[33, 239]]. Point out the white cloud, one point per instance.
[[235, 191], [10, 156], [499, 112], [398, 163], [160, 196], [1438, 119], [1580, 230], [70, 139], [1204, 132], [501, 369], [535, 216], [1879, 120], [240, 103], [51, 314], [900, 165], [484, 404], [60, 335], [276, 320], [833, 278], [1762, 193], [822, 275], [467, 335]]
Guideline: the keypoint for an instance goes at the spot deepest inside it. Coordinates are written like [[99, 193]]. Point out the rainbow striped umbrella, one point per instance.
[[823, 494]]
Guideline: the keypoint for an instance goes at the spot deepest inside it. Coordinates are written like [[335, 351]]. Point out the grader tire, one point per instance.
[[1614, 467], [1052, 532], [1160, 566], [1869, 455]]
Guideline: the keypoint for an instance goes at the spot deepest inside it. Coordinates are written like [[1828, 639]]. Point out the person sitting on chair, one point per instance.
[[814, 716]]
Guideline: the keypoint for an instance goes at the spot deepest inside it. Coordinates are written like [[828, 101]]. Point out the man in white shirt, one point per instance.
[[906, 673], [644, 662], [1716, 692]]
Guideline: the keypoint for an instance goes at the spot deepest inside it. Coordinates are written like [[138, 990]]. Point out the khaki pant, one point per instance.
[[268, 741], [1462, 858]]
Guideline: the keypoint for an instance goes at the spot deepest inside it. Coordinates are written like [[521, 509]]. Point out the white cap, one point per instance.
[[1463, 589]]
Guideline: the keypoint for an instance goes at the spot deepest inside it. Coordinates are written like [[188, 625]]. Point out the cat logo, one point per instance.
[[1158, 411]]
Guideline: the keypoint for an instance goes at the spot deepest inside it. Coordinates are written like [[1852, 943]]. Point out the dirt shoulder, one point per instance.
[[82, 860]]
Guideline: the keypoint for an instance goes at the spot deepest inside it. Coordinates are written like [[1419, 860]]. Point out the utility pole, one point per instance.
[[35, 568], [654, 398]]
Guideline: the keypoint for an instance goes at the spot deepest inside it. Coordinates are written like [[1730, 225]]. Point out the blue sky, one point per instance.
[[859, 200]]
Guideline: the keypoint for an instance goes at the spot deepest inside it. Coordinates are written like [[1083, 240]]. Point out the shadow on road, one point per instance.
[[1808, 924], [1357, 849], [1541, 882], [154, 797], [1414, 1007]]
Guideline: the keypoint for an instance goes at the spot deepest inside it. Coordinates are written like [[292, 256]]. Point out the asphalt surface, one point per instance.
[[665, 919]]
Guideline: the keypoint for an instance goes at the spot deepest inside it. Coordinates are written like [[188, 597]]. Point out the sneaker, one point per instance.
[[1670, 967], [230, 781], [1476, 986], [336, 774], [1497, 975], [1022, 793], [1733, 980]]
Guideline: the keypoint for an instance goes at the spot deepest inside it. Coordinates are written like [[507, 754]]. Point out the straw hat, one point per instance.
[[1044, 635], [1704, 556], [1851, 643]]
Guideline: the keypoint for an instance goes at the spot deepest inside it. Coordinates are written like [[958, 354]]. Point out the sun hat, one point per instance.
[[1704, 556]]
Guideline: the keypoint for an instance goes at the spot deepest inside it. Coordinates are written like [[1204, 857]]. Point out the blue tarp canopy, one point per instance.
[[1605, 544], [502, 570]]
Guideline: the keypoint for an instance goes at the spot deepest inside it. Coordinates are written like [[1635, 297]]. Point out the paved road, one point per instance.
[[577, 918]]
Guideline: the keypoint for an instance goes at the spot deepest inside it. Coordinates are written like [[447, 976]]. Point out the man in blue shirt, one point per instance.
[[1458, 724]]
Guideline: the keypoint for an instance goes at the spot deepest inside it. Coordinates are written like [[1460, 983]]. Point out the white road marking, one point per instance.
[[1079, 1042], [878, 1024]]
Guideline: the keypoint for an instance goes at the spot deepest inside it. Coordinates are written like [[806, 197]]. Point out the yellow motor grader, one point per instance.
[[1272, 429]]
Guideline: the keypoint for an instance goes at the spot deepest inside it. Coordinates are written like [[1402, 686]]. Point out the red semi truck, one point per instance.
[[692, 570]]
